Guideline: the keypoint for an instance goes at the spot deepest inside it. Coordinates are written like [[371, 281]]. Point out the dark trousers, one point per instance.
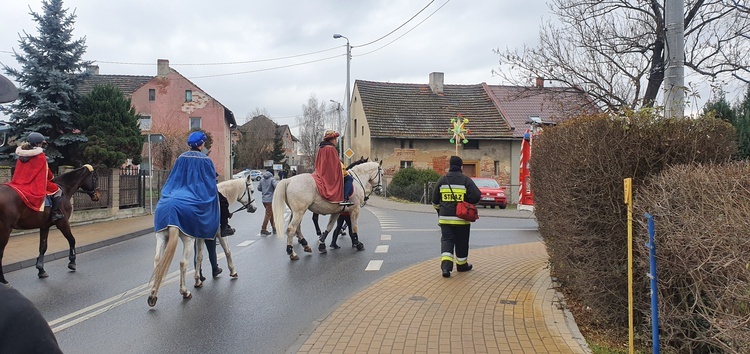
[[224, 208], [348, 187], [454, 238], [339, 225], [268, 217], [211, 248]]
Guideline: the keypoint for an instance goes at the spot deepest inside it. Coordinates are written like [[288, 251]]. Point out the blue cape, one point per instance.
[[189, 198]]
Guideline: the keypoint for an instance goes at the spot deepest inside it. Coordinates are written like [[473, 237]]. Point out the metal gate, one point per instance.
[[82, 201], [131, 187]]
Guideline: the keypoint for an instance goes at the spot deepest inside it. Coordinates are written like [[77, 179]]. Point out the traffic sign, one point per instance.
[[349, 153]]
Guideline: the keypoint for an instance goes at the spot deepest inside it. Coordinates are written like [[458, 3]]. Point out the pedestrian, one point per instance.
[[330, 173], [267, 186], [32, 177], [450, 189], [23, 329], [342, 222]]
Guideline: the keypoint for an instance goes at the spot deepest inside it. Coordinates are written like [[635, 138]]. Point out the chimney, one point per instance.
[[93, 69], [539, 81], [162, 67], [436, 83]]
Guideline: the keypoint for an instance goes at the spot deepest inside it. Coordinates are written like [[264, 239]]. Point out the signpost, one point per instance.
[[152, 138]]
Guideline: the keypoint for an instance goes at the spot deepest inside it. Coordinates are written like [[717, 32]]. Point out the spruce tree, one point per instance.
[[51, 69], [742, 124], [109, 121], [278, 155]]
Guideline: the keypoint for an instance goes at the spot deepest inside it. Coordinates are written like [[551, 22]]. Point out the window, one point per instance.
[[195, 123], [404, 143], [472, 144], [152, 94], [497, 168], [145, 122], [188, 95], [363, 130], [355, 128], [405, 164]]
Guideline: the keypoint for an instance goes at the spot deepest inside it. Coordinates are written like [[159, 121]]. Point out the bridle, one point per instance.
[[94, 182], [250, 198], [379, 185]]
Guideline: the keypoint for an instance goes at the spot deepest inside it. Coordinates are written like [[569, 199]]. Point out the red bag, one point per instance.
[[467, 211]]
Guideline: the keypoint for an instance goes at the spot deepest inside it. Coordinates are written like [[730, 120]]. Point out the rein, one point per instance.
[[94, 180], [250, 198], [367, 197]]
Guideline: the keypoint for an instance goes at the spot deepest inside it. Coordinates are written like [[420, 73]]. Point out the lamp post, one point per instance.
[[348, 94], [338, 109]]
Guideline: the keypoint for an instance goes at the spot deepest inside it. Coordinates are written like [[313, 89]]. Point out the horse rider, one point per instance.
[[32, 177], [330, 173]]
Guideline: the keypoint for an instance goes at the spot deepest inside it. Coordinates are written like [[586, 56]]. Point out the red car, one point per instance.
[[492, 194]]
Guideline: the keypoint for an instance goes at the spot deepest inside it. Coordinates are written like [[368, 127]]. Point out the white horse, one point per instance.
[[241, 190], [300, 194], [166, 241]]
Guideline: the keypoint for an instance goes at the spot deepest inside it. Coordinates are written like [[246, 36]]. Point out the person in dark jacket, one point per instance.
[[23, 329], [450, 189], [266, 187]]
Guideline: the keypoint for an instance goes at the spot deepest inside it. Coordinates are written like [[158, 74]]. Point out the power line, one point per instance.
[[405, 33], [266, 69], [397, 28], [224, 63]]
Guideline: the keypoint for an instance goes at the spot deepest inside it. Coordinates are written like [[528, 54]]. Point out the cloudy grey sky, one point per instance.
[[451, 36]]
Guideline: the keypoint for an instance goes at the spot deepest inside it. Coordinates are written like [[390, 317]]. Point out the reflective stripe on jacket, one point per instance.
[[445, 201]]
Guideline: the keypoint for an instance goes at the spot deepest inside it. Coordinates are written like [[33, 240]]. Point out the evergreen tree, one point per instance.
[[742, 124], [720, 108], [278, 155], [51, 71], [109, 121]]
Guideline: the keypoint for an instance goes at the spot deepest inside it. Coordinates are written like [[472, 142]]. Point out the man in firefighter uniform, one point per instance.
[[450, 189]]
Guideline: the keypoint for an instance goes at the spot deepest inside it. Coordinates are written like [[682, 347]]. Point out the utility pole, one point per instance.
[[338, 128], [674, 73]]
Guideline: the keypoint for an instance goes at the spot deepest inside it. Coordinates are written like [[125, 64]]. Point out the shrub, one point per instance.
[[410, 183], [577, 171]]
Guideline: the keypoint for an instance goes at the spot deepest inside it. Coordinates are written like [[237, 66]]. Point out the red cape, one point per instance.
[[328, 175], [32, 180]]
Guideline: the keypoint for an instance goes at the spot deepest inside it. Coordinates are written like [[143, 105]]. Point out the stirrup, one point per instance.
[[346, 202]]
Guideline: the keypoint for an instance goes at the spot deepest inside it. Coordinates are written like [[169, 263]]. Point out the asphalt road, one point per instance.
[[101, 308]]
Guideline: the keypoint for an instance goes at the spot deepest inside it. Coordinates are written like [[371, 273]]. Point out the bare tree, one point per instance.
[[615, 49], [312, 126], [256, 143]]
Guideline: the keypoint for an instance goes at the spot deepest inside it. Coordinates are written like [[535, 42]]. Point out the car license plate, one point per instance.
[[488, 198]]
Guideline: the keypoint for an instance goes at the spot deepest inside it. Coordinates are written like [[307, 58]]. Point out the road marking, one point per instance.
[[385, 237], [374, 265], [381, 249], [246, 243], [472, 230]]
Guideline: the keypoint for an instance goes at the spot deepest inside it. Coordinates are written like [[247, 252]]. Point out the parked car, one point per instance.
[[492, 194], [241, 174], [256, 175]]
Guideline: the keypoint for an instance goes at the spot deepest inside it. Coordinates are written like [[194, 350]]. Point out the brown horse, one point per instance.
[[14, 214]]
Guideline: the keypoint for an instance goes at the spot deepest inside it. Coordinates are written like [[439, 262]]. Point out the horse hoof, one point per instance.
[[335, 246], [360, 246], [43, 275], [322, 248], [233, 275], [308, 249], [152, 301], [198, 285], [72, 266], [187, 296], [294, 257]]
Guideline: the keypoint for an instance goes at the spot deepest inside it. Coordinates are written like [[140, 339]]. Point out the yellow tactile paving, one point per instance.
[[505, 305]]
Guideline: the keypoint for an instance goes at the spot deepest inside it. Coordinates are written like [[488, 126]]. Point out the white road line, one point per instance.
[[381, 249], [374, 265], [246, 243], [385, 237]]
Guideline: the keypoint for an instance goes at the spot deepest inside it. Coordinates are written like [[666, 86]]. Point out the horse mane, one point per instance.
[[233, 188], [67, 176], [358, 162]]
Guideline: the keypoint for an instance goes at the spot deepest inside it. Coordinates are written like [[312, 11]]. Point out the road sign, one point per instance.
[[155, 138], [349, 153]]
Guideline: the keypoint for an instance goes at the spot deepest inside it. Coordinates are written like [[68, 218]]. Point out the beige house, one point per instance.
[[409, 125]]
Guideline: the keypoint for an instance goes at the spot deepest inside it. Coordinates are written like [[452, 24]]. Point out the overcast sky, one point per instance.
[[454, 37]]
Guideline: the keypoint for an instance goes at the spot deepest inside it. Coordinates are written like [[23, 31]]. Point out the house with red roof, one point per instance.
[[409, 125], [172, 105]]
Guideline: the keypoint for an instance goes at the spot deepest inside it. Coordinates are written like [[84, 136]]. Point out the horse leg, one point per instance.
[[187, 251], [43, 235], [294, 229], [322, 239], [199, 278], [161, 244], [4, 237], [163, 264], [354, 235], [315, 222], [64, 227], [228, 254]]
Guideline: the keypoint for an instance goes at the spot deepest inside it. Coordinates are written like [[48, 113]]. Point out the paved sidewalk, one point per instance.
[[507, 304]]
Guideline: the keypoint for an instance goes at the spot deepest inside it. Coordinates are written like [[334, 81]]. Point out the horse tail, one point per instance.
[[173, 234], [278, 206]]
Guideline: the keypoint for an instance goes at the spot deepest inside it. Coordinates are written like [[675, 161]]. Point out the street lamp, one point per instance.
[[338, 109], [348, 94]]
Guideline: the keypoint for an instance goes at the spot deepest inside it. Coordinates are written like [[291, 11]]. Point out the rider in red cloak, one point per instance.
[[329, 171], [32, 178]]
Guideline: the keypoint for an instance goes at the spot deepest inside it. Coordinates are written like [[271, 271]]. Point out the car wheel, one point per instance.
[[492, 206], [502, 206], [257, 178]]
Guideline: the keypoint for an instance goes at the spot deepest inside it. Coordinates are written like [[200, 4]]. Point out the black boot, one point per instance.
[[464, 267], [447, 267], [56, 213]]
